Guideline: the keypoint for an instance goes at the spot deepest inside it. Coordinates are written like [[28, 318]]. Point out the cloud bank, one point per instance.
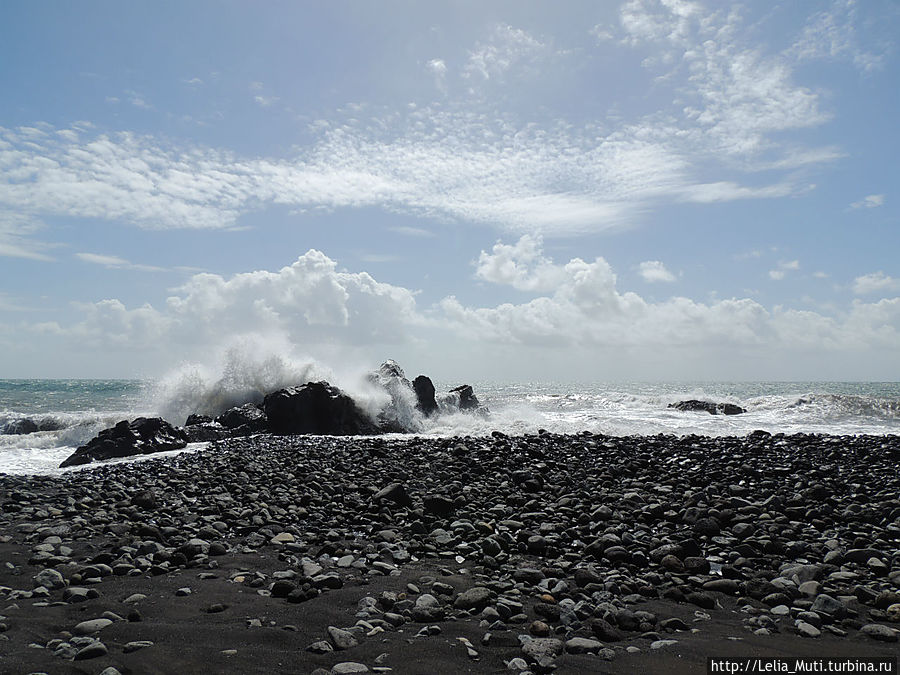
[[576, 305]]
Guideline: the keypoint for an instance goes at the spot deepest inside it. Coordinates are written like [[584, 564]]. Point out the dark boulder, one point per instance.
[[694, 405], [248, 418], [20, 427], [207, 432], [316, 408], [424, 389], [142, 436], [194, 419], [26, 425]]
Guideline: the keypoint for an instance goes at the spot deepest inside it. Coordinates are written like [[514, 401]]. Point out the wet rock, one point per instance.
[[425, 395], [466, 397], [139, 437], [694, 405], [315, 408]]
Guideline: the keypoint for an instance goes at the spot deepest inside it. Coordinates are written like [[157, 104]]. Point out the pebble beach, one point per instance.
[[499, 554]]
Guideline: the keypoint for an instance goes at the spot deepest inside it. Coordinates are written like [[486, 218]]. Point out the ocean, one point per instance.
[[71, 412]]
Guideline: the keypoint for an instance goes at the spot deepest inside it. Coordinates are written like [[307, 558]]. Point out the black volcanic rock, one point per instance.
[[467, 398], [316, 408], [194, 419], [20, 427], [27, 425], [694, 405], [398, 416], [205, 432], [248, 415], [142, 436], [424, 389]]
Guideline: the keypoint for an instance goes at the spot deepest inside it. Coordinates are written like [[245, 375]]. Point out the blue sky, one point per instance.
[[652, 189]]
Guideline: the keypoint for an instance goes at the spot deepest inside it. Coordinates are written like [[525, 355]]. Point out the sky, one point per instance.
[[520, 191]]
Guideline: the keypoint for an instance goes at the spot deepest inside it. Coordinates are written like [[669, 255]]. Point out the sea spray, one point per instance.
[[242, 373]]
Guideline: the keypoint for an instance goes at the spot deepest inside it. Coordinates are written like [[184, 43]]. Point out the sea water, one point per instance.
[[81, 408]]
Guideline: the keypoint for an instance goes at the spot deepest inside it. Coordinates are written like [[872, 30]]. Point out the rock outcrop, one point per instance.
[[26, 425], [138, 437], [316, 408], [694, 405], [244, 420], [399, 415], [424, 389], [467, 398]]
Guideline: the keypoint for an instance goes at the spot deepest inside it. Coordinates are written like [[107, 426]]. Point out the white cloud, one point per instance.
[[411, 231], [876, 282], [663, 21], [868, 202], [585, 309], [832, 34], [16, 232], [137, 100], [307, 304], [521, 266], [265, 101], [783, 268], [602, 33], [312, 306], [114, 262], [456, 163], [654, 271], [508, 47], [737, 96]]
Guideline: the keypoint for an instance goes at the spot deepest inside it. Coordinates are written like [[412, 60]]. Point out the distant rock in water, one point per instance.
[[400, 415], [467, 398], [316, 408], [139, 437], [424, 389], [27, 425], [20, 427], [708, 406]]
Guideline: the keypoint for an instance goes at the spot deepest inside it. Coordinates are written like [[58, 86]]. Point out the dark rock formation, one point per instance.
[[195, 419], [707, 406], [316, 408], [27, 425], [20, 427], [243, 420], [424, 389], [139, 437], [205, 432], [467, 398], [399, 416]]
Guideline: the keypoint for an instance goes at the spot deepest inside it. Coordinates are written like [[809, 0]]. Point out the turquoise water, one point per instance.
[[83, 407]]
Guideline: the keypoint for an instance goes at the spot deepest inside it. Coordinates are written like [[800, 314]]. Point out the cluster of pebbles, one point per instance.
[[570, 544]]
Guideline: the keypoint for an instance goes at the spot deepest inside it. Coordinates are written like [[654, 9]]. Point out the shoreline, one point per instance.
[[611, 545]]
